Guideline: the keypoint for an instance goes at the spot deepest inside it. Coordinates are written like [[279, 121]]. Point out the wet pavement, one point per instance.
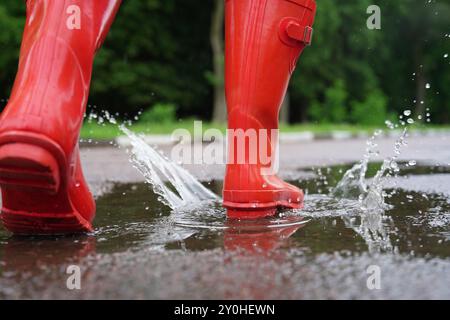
[[140, 249]]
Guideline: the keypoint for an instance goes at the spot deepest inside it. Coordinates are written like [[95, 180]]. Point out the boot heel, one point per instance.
[[35, 187], [29, 168]]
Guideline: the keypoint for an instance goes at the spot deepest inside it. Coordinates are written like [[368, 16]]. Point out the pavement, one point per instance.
[[104, 164]]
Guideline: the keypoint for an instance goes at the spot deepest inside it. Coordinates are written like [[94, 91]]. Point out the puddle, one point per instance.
[[130, 217], [131, 224]]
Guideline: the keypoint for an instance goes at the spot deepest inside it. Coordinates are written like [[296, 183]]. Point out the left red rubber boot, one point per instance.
[[43, 188], [263, 39]]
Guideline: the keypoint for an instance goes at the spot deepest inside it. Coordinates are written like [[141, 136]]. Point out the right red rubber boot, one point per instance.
[[43, 188], [263, 40]]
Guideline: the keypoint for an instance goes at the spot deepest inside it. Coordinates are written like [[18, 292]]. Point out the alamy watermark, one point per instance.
[[73, 21], [73, 281], [237, 146], [374, 279], [374, 20]]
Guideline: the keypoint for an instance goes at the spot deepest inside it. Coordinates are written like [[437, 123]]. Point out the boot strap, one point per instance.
[[299, 33], [292, 32]]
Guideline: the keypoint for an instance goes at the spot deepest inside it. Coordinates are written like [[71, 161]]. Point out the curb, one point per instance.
[[292, 137]]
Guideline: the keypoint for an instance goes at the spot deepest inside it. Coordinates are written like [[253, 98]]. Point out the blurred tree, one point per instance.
[[422, 25], [11, 26], [157, 52], [338, 58], [412, 54], [168, 52], [217, 77], [371, 111]]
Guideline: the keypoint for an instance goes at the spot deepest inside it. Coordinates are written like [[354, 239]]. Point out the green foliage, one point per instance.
[[335, 100], [412, 38], [333, 108], [158, 52], [11, 25], [371, 111], [159, 113]]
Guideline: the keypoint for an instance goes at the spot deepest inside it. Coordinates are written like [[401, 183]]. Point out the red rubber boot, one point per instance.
[[43, 188], [264, 39]]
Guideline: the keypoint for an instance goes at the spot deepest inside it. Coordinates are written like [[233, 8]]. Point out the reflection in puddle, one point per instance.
[[215, 219], [259, 239], [24, 257]]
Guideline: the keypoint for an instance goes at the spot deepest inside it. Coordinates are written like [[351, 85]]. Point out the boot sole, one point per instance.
[[34, 183], [268, 204]]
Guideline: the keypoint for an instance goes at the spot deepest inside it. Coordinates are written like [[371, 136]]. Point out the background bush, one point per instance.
[[158, 51], [159, 113]]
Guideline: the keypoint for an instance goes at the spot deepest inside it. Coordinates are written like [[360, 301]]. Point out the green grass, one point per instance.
[[110, 131], [324, 128]]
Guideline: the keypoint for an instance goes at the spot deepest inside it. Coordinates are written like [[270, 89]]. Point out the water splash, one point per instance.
[[175, 185], [374, 198], [372, 221], [353, 183], [370, 193]]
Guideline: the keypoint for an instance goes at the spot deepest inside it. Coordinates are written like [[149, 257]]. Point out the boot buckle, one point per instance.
[[292, 32], [300, 33]]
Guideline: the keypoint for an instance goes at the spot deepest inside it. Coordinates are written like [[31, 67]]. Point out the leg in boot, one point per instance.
[[43, 188], [264, 39]]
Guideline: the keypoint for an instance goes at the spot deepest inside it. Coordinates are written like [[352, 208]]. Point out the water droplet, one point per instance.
[[407, 113], [412, 162], [446, 55], [394, 166], [428, 86], [389, 124]]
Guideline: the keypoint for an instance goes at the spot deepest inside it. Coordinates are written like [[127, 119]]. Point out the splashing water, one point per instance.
[[176, 187], [183, 188], [353, 183], [370, 194]]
